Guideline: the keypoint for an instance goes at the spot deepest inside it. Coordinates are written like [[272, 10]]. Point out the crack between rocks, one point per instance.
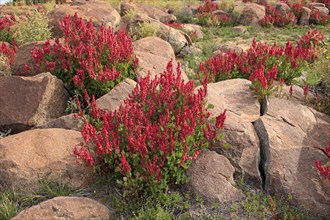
[[264, 153]]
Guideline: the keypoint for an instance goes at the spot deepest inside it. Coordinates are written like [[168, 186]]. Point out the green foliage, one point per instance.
[[33, 28], [11, 202], [53, 188], [8, 203], [6, 36], [146, 29], [162, 206]]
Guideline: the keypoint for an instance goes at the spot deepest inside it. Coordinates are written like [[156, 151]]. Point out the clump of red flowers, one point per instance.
[[87, 58], [263, 63], [324, 169], [151, 140], [207, 17]]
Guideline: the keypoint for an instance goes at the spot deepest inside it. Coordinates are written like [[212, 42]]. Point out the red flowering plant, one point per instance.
[[206, 17], [263, 64], [151, 140], [317, 18], [87, 58], [276, 17], [324, 169], [6, 23]]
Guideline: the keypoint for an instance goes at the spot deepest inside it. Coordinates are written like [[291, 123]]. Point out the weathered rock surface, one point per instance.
[[242, 109], [211, 175], [75, 208], [66, 122], [116, 97], [176, 38], [153, 54], [295, 134], [30, 101], [305, 15], [194, 30], [97, 11], [46, 153], [152, 12], [252, 13]]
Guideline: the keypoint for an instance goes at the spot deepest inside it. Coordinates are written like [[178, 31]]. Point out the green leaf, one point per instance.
[[211, 106]]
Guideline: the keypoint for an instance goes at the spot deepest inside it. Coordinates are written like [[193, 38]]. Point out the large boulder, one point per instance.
[[151, 11], [116, 97], [296, 134], [211, 175], [100, 12], [74, 208], [252, 13], [176, 38], [305, 15], [26, 102], [153, 54], [41, 153], [240, 144]]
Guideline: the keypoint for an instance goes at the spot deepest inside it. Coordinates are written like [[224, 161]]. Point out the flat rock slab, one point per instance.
[[59, 208], [235, 96], [116, 97], [211, 175], [30, 155], [26, 102]]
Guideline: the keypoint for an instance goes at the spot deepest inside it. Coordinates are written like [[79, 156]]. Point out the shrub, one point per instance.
[[145, 29], [317, 18], [6, 24], [262, 62], [7, 56], [95, 60], [33, 28], [205, 15], [151, 140]]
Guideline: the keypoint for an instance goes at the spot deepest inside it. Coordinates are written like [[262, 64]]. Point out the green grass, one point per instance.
[[13, 201]]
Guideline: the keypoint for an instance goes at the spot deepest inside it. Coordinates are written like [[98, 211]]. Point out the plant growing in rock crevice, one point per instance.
[[151, 140]]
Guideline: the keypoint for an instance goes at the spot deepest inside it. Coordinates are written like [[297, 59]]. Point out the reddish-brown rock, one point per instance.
[[252, 13], [211, 175], [59, 208], [116, 97], [40, 153], [26, 102], [97, 11], [154, 55]]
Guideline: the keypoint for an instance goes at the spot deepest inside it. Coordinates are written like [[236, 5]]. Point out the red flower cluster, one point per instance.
[[7, 22], [208, 7], [87, 58], [5, 28], [276, 17], [264, 63], [325, 168], [176, 25], [206, 17], [155, 135], [9, 51]]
